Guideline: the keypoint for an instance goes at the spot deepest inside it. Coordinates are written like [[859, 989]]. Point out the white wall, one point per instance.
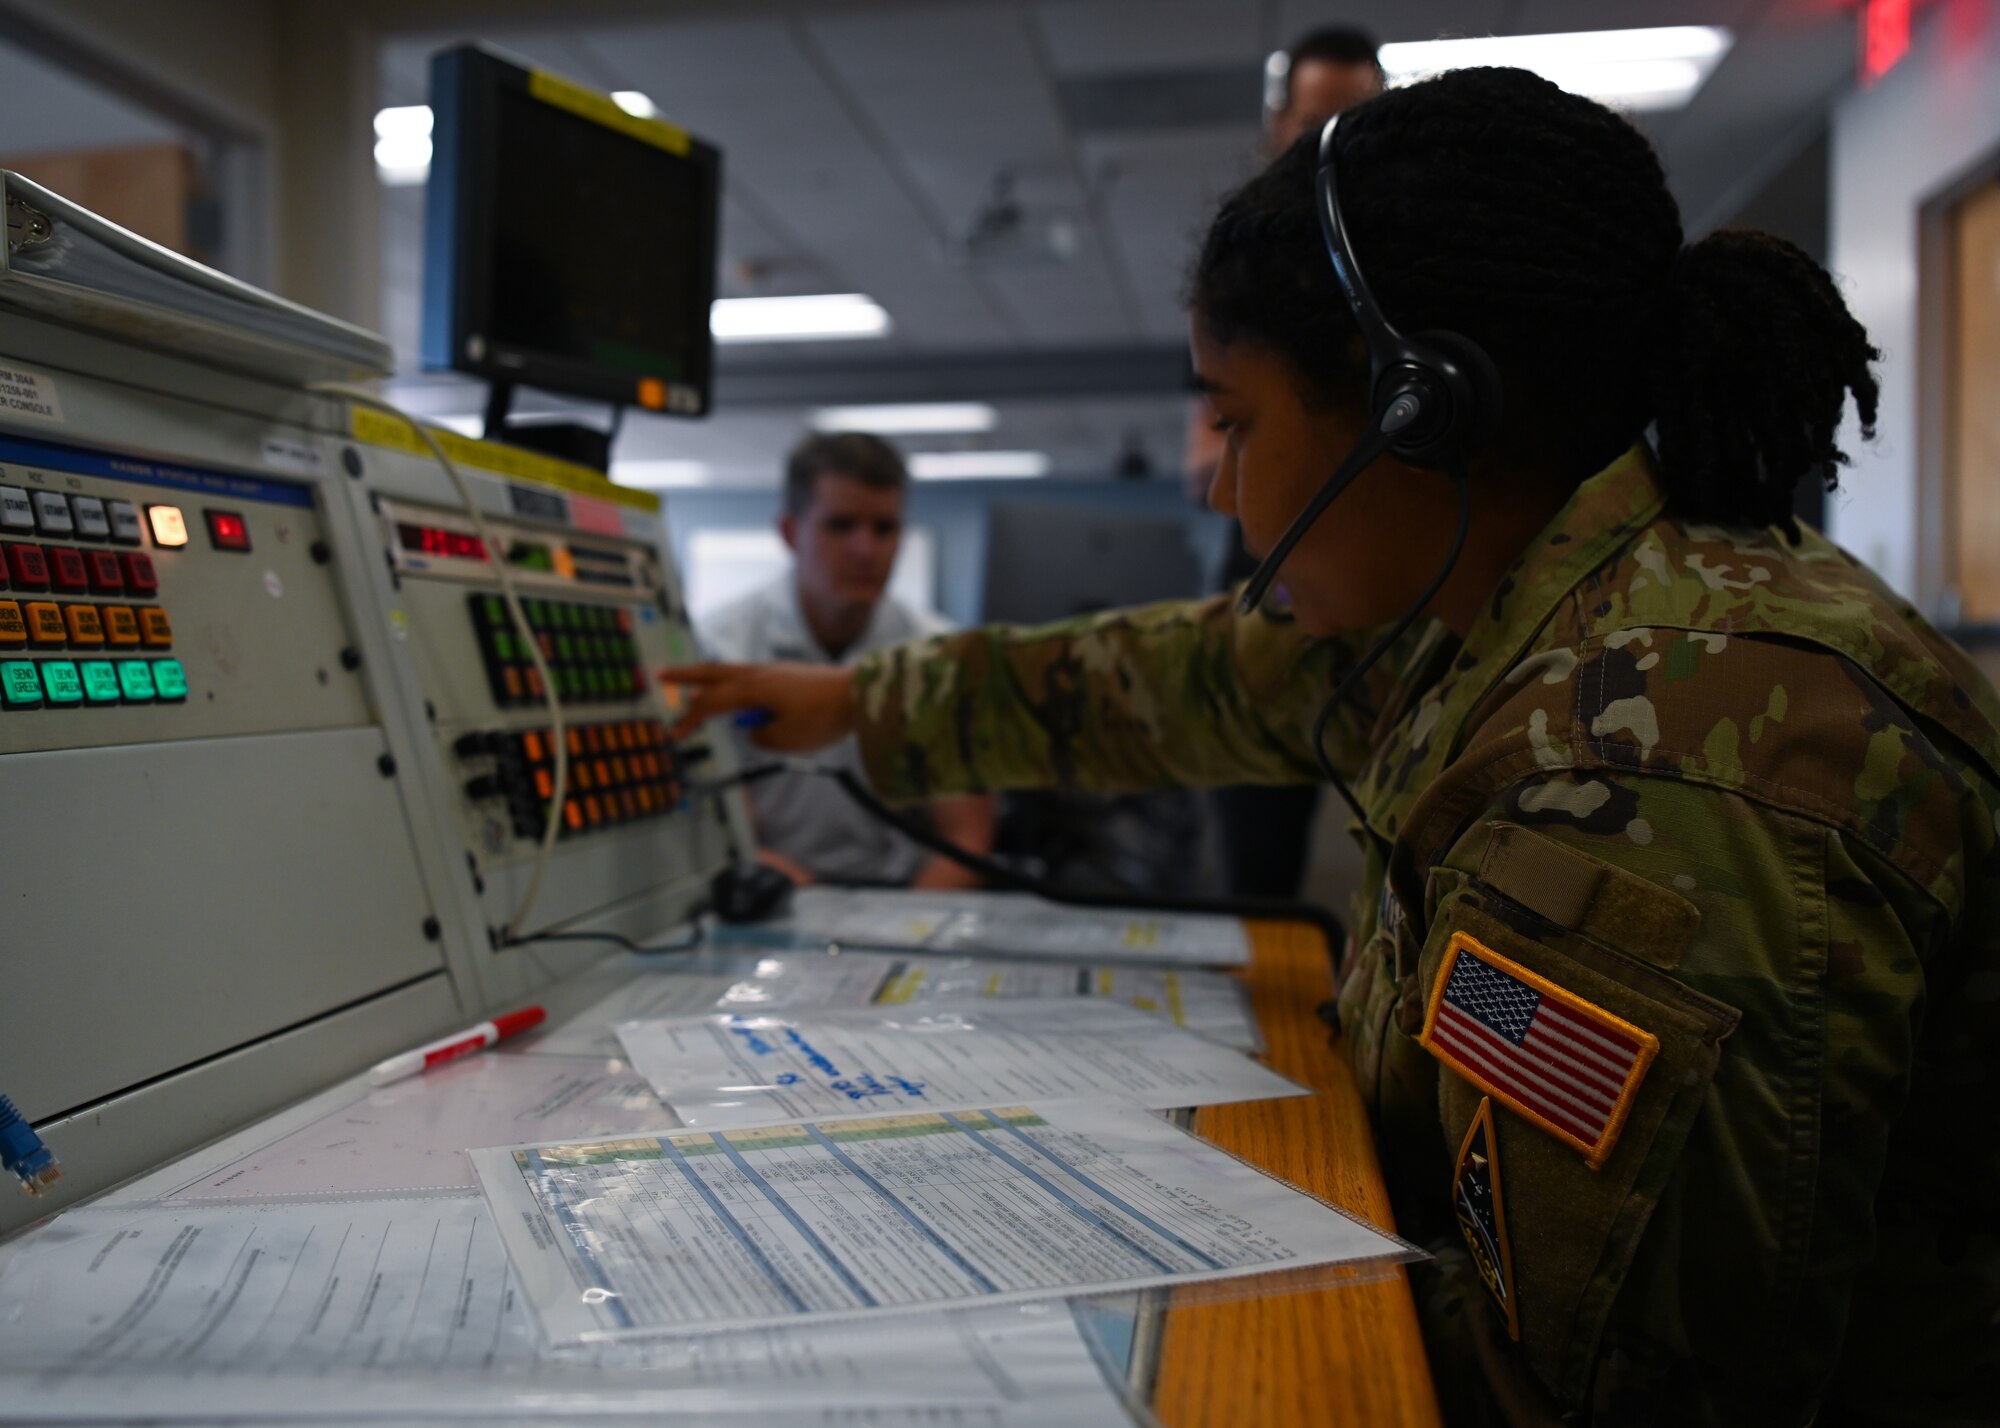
[[1917, 131]]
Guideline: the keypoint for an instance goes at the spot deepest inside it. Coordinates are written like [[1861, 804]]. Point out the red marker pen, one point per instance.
[[411, 1063]]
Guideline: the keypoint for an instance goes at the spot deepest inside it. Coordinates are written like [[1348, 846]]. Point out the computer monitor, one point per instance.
[[568, 245], [1049, 562]]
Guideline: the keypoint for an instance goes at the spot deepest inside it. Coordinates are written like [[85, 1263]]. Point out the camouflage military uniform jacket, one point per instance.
[[1723, 792]]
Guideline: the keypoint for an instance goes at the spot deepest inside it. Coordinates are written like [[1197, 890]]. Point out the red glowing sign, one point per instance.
[[1885, 36], [437, 541]]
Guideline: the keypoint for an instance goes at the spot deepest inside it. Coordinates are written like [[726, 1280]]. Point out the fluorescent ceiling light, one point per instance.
[[1640, 70], [907, 418], [658, 475], [403, 144], [635, 104], [978, 465], [817, 317]]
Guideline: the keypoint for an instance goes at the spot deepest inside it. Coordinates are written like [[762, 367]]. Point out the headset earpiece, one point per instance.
[[1461, 390]]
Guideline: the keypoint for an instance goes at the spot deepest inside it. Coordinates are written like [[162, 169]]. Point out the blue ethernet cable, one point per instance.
[[22, 1151]]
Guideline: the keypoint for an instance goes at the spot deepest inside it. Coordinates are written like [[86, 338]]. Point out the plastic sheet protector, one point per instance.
[[409, 1310], [1213, 1004], [413, 1135], [819, 1221], [734, 1070], [996, 924]]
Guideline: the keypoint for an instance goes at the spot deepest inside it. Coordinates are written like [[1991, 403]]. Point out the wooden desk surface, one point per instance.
[[1351, 1355]]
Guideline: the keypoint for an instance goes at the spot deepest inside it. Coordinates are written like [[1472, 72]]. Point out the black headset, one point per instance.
[[1435, 397]]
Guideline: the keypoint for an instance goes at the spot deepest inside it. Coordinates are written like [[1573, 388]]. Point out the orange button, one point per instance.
[[85, 626], [510, 677], [579, 774], [575, 741], [13, 629], [534, 682], [155, 627], [619, 771], [593, 738], [45, 623], [121, 624], [592, 809], [545, 783], [533, 746], [573, 814]]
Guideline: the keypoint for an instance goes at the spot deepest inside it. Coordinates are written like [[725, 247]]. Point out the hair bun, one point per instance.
[[1756, 356]]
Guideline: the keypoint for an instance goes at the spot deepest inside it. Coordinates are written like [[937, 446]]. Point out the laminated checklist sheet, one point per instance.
[[735, 1070], [1215, 1004], [407, 1309], [997, 924], [825, 1221]]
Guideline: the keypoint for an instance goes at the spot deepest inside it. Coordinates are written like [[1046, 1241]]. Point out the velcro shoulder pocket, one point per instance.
[[1591, 1064]]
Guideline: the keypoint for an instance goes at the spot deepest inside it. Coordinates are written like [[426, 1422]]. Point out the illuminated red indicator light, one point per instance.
[[227, 531], [1885, 37], [439, 542]]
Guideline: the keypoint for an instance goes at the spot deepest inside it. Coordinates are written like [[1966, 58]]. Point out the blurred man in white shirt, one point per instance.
[[843, 520]]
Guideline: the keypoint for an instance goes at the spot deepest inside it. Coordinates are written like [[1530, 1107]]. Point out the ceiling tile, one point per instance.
[[1123, 36]]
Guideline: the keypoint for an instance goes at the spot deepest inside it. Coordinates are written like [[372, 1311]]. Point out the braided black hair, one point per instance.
[[1539, 224]]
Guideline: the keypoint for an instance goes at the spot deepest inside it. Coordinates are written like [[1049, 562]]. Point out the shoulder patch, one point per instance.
[[1480, 1205], [1556, 1060]]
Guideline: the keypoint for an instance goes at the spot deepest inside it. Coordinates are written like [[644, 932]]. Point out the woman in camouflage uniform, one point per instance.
[[1675, 987]]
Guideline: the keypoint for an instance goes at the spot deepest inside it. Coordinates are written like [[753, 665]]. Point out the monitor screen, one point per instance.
[[570, 246]]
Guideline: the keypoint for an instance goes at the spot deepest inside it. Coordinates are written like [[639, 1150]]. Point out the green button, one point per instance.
[[170, 679], [135, 677], [100, 681], [19, 683], [503, 645], [593, 683], [496, 610], [565, 648], [59, 678]]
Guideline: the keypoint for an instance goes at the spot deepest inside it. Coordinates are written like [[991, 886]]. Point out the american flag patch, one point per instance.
[[1564, 1063]]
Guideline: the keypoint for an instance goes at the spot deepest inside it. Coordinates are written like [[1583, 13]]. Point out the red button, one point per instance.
[[66, 568], [140, 577], [25, 564], [105, 576], [227, 530]]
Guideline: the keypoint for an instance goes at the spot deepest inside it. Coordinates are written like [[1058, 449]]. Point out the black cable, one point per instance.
[[696, 935], [1382, 646]]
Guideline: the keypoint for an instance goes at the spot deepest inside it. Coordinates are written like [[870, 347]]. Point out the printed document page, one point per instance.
[[695, 1231], [413, 1134], [408, 1308], [735, 1070], [996, 924], [1214, 1004]]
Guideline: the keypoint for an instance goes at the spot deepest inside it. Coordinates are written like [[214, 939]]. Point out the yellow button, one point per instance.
[[13, 629], [156, 627], [45, 623], [85, 628], [121, 624]]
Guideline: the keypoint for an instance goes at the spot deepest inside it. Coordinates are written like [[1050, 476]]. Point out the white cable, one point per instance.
[[552, 828]]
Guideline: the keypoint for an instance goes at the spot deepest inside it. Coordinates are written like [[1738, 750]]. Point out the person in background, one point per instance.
[[843, 520], [1265, 832], [1326, 71]]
